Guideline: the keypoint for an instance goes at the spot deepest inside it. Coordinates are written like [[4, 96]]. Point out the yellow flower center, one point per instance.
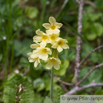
[[53, 37], [44, 37], [53, 27], [52, 60], [44, 50], [60, 43]]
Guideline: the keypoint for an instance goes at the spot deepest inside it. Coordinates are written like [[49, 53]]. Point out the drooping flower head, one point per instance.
[[53, 62], [36, 60]]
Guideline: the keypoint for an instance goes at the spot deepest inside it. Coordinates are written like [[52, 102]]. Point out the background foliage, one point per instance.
[[19, 19]]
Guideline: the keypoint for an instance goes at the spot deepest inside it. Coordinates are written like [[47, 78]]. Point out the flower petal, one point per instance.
[[49, 65], [54, 45], [65, 46], [46, 25], [59, 49], [38, 32], [33, 56], [43, 43], [31, 59], [65, 41], [56, 31], [59, 25], [49, 32], [58, 60], [37, 39], [36, 62], [56, 66], [29, 53], [33, 46], [52, 20], [43, 56]]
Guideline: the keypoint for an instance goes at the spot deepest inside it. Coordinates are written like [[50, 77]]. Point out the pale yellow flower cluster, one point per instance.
[[48, 45]]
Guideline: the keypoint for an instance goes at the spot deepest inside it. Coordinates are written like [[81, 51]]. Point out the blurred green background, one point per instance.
[[19, 19]]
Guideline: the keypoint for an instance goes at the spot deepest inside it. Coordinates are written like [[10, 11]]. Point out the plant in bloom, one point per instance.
[[48, 45]]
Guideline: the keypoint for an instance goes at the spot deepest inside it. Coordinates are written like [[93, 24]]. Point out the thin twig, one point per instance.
[[91, 53], [77, 89], [79, 41], [96, 67], [64, 88], [63, 82], [90, 3]]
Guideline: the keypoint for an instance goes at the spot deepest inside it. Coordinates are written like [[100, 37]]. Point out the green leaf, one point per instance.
[[99, 4], [38, 84], [99, 92], [91, 16], [97, 57], [22, 48], [11, 90], [86, 49], [47, 100], [83, 73], [94, 31], [92, 77], [1, 57], [23, 61], [72, 41], [47, 82], [38, 98], [31, 12], [72, 54], [63, 67], [57, 92], [91, 36], [99, 28]]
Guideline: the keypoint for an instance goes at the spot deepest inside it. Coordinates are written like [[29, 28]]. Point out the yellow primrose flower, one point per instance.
[[35, 60], [53, 38], [41, 52], [53, 27], [53, 62], [60, 44], [41, 37]]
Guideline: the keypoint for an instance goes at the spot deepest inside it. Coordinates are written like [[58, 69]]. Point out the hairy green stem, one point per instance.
[[51, 90]]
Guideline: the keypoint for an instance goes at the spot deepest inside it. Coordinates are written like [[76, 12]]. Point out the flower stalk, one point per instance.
[[51, 89], [47, 46]]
